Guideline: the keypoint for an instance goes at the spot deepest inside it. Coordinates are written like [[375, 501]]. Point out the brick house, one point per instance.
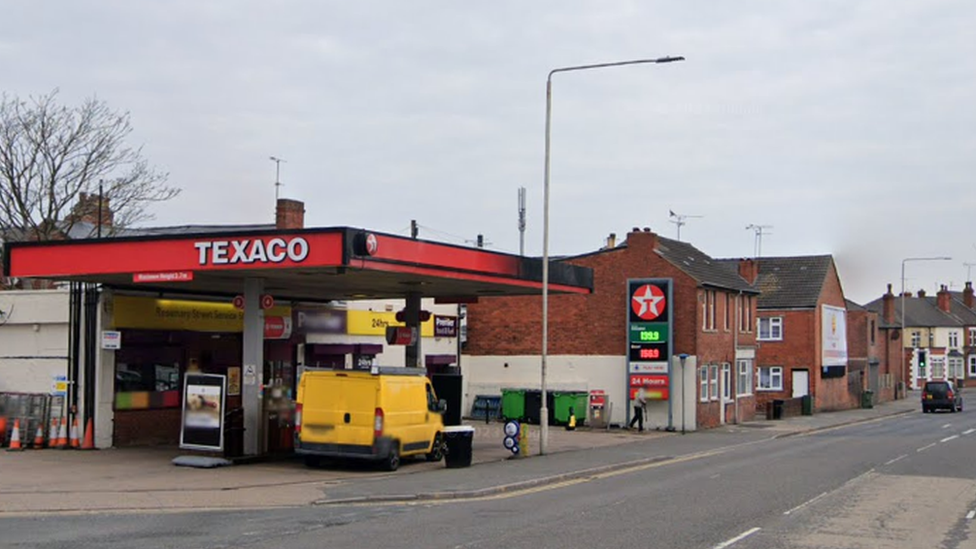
[[801, 335], [940, 335], [867, 356], [713, 310]]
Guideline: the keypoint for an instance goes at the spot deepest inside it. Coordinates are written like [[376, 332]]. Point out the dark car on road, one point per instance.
[[941, 395]]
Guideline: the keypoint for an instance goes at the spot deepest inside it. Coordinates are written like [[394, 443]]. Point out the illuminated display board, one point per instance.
[[649, 329]]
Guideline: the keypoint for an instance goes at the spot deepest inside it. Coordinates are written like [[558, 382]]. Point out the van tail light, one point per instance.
[[298, 418], [949, 395], [378, 423]]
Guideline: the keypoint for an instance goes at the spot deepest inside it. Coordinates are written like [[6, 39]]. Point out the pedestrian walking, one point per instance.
[[640, 409]]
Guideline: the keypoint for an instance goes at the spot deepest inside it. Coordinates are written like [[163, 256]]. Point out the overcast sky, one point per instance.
[[848, 127]]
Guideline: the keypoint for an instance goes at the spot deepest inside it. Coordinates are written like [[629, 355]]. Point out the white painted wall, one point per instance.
[[33, 339]]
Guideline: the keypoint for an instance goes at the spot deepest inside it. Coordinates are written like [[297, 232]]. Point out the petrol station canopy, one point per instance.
[[337, 263]]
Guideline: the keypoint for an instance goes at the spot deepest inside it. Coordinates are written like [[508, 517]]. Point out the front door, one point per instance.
[[801, 383]]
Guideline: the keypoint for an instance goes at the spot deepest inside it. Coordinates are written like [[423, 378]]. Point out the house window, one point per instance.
[[745, 314], [713, 383], [872, 331], [953, 339], [771, 329], [726, 381], [708, 310], [771, 378], [972, 365], [956, 370], [938, 367], [728, 312], [703, 384], [744, 379], [972, 337], [916, 338]]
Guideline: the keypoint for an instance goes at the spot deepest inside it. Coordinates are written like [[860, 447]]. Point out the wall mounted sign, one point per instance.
[[649, 330]]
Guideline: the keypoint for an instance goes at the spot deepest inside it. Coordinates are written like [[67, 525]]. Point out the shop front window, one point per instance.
[[143, 385]]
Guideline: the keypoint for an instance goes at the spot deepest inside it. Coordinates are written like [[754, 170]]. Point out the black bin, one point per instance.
[[778, 409], [533, 407], [459, 440]]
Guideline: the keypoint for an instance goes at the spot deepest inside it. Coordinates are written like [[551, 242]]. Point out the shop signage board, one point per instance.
[[147, 313], [445, 326], [204, 398], [59, 385], [649, 341], [111, 340]]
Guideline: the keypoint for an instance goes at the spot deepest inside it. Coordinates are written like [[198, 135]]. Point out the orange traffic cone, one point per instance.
[[62, 433], [52, 433], [75, 443], [15, 438], [38, 438], [3, 431], [89, 442]]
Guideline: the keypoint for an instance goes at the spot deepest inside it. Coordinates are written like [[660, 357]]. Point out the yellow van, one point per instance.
[[380, 415]]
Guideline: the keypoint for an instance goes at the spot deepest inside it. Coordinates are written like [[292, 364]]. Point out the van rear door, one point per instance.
[[338, 408]]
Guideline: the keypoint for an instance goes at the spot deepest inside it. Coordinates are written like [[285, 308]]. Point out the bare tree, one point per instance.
[[53, 156]]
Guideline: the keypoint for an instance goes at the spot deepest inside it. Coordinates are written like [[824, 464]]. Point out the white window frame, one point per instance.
[[972, 365], [775, 372], [713, 383], [744, 386], [703, 383], [726, 382], [957, 368], [728, 312], [953, 339], [938, 366], [708, 311], [972, 337], [916, 338], [774, 330]]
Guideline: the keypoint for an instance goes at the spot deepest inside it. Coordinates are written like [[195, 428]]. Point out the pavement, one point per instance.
[[134, 479]]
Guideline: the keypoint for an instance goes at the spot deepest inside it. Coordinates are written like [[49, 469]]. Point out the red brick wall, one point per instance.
[[147, 427], [831, 394]]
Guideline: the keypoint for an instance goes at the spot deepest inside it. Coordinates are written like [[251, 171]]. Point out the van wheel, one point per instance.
[[392, 462], [437, 450]]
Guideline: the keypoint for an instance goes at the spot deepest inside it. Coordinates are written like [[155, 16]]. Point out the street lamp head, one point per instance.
[[669, 59]]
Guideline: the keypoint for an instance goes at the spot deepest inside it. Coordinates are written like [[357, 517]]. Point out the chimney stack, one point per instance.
[[967, 296], [921, 293], [888, 306], [290, 214], [611, 241], [644, 241], [944, 298], [749, 270]]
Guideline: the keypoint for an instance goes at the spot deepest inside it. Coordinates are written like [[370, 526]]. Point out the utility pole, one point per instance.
[[521, 220], [277, 162], [760, 230], [969, 271], [413, 229], [679, 220]]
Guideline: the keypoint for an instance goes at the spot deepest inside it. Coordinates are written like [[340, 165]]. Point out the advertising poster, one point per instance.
[[203, 412], [234, 381], [834, 331]]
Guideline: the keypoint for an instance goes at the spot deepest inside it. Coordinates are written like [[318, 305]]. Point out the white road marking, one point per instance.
[[969, 432], [947, 439], [924, 448], [970, 515], [802, 505], [947, 425], [897, 459], [737, 539]]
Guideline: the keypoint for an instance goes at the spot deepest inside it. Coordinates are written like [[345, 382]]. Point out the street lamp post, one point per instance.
[[544, 411], [901, 353]]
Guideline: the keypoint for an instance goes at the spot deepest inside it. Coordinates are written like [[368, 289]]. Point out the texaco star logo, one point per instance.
[[648, 302], [372, 245]]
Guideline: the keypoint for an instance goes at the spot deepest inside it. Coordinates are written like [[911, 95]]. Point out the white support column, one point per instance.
[[253, 366]]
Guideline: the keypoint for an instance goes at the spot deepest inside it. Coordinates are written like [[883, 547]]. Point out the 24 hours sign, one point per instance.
[[649, 330]]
